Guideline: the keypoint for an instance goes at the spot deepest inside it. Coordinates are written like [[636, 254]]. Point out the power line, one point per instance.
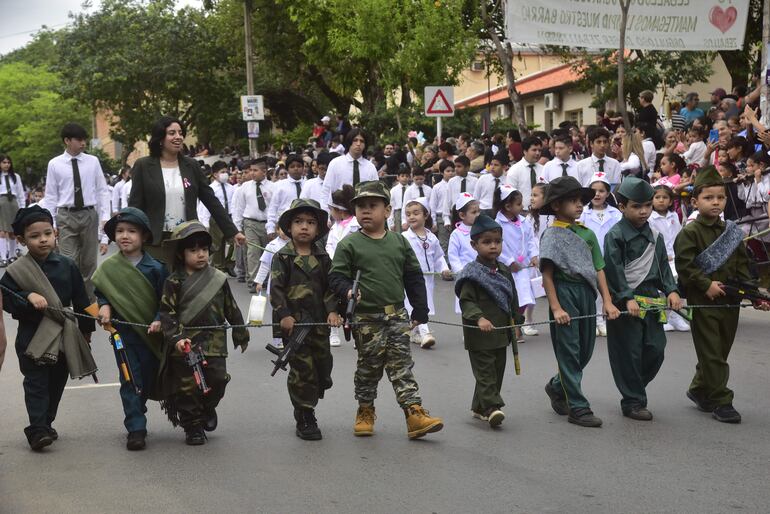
[[4, 36]]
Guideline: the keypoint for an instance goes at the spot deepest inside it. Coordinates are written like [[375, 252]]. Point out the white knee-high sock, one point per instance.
[[3, 248], [11, 247]]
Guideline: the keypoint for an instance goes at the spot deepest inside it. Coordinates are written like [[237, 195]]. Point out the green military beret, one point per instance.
[[484, 224], [708, 176], [304, 205], [636, 190], [372, 189]]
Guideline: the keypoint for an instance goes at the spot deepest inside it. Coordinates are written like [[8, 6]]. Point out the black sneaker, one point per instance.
[[211, 422], [584, 418], [40, 440], [241, 279], [307, 426], [253, 288], [53, 433], [136, 440], [638, 413], [702, 404], [726, 414], [558, 402], [194, 436]]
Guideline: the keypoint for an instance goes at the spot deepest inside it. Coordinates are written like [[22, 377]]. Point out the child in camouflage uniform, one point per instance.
[[300, 293], [195, 294], [388, 266]]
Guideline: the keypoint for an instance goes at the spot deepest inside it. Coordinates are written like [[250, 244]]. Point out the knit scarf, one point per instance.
[[495, 284]]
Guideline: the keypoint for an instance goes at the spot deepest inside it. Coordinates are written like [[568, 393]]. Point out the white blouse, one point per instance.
[[175, 206]]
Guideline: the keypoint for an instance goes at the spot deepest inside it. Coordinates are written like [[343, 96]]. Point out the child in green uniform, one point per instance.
[[49, 344], [388, 267], [636, 265], [573, 272], [488, 299], [708, 252], [195, 295], [299, 292]]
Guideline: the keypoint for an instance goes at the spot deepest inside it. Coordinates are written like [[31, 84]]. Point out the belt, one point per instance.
[[380, 309], [87, 208], [256, 221]]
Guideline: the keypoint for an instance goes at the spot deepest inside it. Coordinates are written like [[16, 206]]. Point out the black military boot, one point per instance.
[[39, 440], [307, 426], [135, 441], [194, 435], [211, 422]]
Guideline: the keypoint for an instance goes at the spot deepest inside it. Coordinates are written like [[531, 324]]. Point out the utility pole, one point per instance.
[[247, 9]]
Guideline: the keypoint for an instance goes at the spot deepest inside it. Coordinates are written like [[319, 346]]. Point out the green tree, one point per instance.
[[32, 113], [138, 59]]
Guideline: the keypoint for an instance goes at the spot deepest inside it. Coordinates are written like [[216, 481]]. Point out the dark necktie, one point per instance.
[[403, 191], [224, 195], [564, 167], [356, 173], [79, 204], [532, 175], [497, 183], [601, 165], [462, 185], [422, 194], [9, 193], [260, 199], [299, 188]]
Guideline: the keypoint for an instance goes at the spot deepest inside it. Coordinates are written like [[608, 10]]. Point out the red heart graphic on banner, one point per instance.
[[723, 19]]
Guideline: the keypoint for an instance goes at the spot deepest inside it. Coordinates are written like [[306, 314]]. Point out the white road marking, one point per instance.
[[92, 386]]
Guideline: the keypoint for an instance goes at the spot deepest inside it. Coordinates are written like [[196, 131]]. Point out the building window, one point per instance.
[[575, 116], [529, 114]]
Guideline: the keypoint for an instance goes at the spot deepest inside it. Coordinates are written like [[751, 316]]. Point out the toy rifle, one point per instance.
[[350, 311], [515, 348], [659, 305], [290, 347], [194, 358], [745, 291]]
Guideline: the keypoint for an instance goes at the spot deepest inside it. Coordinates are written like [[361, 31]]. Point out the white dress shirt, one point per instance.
[[668, 226], [696, 154], [284, 193], [220, 190], [519, 177], [485, 189], [413, 193], [553, 169], [454, 187], [600, 222], [246, 205], [125, 192], [313, 190], [438, 198], [60, 184], [17, 188], [340, 172], [649, 153], [117, 197], [398, 196], [589, 166]]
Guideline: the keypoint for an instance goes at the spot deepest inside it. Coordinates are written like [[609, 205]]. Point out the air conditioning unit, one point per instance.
[[503, 111], [477, 66], [551, 102]]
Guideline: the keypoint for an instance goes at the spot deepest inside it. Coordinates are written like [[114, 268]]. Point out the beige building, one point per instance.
[[548, 92]]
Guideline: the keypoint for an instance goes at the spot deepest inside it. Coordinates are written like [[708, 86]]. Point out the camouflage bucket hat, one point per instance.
[[372, 189], [179, 234], [305, 205]]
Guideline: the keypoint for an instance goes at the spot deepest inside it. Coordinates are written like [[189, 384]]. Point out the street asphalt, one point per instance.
[[682, 462]]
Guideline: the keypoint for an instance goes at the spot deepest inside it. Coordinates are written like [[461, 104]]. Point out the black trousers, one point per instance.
[[43, 389]]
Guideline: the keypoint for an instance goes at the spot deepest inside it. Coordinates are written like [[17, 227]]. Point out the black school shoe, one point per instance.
[[211, 422], [558, 402], [135, 441], [194, 436], [726, 414], [40, 440], [584, 418], [307, 426], [700, 402], [53, 433], [638, 413]]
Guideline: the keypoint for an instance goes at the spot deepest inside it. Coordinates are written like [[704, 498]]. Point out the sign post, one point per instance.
[[439, 101]]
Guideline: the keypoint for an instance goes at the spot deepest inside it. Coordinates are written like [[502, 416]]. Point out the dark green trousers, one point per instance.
[[488, 369], [713, 333], [635, 347], [573, 344], [193, 407], [218, 246], [310, 373]]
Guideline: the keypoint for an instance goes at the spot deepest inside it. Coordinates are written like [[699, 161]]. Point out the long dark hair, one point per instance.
[[158, 134], [11, 173]]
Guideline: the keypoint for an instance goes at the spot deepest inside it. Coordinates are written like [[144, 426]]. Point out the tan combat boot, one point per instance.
[[419, 422], [364, 421]]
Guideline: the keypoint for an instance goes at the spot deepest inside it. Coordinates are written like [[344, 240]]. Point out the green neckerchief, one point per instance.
[[197, 292], [306, 263], [132, 295]]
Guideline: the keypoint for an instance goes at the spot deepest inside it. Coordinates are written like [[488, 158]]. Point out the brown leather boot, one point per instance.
[[419, 422], [364, 421]]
